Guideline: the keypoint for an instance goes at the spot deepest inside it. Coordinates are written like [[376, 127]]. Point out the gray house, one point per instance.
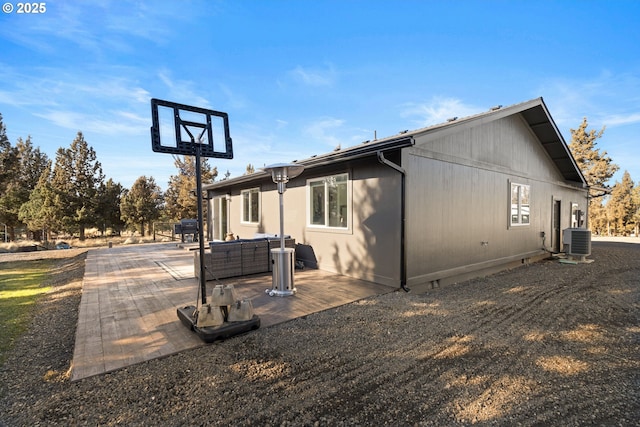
[[445, 203]]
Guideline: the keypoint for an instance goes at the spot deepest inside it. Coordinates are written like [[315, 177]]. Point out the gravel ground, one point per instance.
[[545, 344]]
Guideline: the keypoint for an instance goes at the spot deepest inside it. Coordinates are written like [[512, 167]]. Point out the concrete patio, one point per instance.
[[130, 295]]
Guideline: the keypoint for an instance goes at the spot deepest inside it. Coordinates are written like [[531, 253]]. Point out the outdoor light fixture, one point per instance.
[[282, 280]]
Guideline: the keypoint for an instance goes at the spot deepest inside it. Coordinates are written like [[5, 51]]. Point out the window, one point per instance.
[[251, 205], [329, 201], [520, 199], [220, 217], [575, 216]]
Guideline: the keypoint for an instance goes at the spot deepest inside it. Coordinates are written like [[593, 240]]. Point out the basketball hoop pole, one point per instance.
[[203, 279]]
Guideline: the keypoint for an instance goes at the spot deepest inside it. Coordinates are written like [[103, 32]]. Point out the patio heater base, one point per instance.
[[279, 293], [212, 333]]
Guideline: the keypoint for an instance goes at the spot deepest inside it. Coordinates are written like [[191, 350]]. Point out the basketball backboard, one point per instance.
[[183, 129]]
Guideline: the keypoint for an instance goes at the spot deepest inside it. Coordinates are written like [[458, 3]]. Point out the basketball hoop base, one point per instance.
[[210, 334]]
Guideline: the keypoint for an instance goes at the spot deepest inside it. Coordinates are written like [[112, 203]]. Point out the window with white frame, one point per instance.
[[329, 201], [250, 205], [520, 208]]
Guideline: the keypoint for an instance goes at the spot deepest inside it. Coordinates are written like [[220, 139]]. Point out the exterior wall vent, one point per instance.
[[577, 242]]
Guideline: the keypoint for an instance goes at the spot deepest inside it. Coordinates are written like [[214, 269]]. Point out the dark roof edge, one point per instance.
[[564, 143], [349, 153], [494, 113], [406, 139]]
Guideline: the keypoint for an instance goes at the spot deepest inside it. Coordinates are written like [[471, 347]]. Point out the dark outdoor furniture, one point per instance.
[[239, 257]]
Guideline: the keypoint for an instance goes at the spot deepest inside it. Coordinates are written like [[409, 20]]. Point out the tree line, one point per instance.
[[615, 210], [70, 193]]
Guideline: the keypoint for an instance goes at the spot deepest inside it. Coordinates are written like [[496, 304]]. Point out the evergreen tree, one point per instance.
[[25, 169], [142, 204], [39, 212], [599, 221], [7, 157], [32, 163], [108, 207], [180, 195], [7, 160], [596, 166], [636, 210], [620, 207], [77, 175]]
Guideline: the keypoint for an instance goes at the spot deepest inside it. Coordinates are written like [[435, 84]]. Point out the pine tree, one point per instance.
[[7, 160], [39, 212], [24, 170], [77, 176], [142, 204], [599, 221], [108, 207], [596, 166], [7, 157], [180, 196], [620, 205], [635, 218]]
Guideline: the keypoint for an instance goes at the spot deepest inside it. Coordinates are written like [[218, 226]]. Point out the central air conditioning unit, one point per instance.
[[577, 242]]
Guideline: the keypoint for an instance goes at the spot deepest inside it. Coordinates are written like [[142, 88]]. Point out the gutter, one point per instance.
[[351, 153], [403, 256]]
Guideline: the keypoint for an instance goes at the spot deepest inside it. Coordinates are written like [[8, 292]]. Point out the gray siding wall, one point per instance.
[[458, 206], [368, 249]]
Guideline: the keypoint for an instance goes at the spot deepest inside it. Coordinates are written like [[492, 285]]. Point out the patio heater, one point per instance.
[[283, 263]]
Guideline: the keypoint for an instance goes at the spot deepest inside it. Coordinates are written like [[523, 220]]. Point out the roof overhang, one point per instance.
[[366, 149], [534, 112], [545, 129]]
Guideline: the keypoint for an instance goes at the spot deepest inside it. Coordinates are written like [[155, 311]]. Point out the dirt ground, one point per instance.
[[545, 344]]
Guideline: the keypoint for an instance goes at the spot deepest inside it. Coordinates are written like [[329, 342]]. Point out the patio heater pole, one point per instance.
[[282, 280], [281, 190]]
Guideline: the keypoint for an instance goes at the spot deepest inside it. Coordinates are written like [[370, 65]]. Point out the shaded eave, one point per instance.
[[543, 126]]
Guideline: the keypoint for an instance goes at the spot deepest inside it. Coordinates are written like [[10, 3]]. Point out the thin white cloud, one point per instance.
[[182, 91], [314, 77], [22, 89], [437, 110], [117, 123], [119, 90], [108, 27], [233, 99], [251, 144], [51, 87], [606, 99], [91, 103], [324, 131], [621, 119], [144, 20]]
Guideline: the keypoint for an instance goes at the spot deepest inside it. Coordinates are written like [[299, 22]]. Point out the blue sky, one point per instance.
[[298, 78]]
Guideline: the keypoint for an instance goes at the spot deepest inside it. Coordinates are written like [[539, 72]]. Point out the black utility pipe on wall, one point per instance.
[[403, 257]]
